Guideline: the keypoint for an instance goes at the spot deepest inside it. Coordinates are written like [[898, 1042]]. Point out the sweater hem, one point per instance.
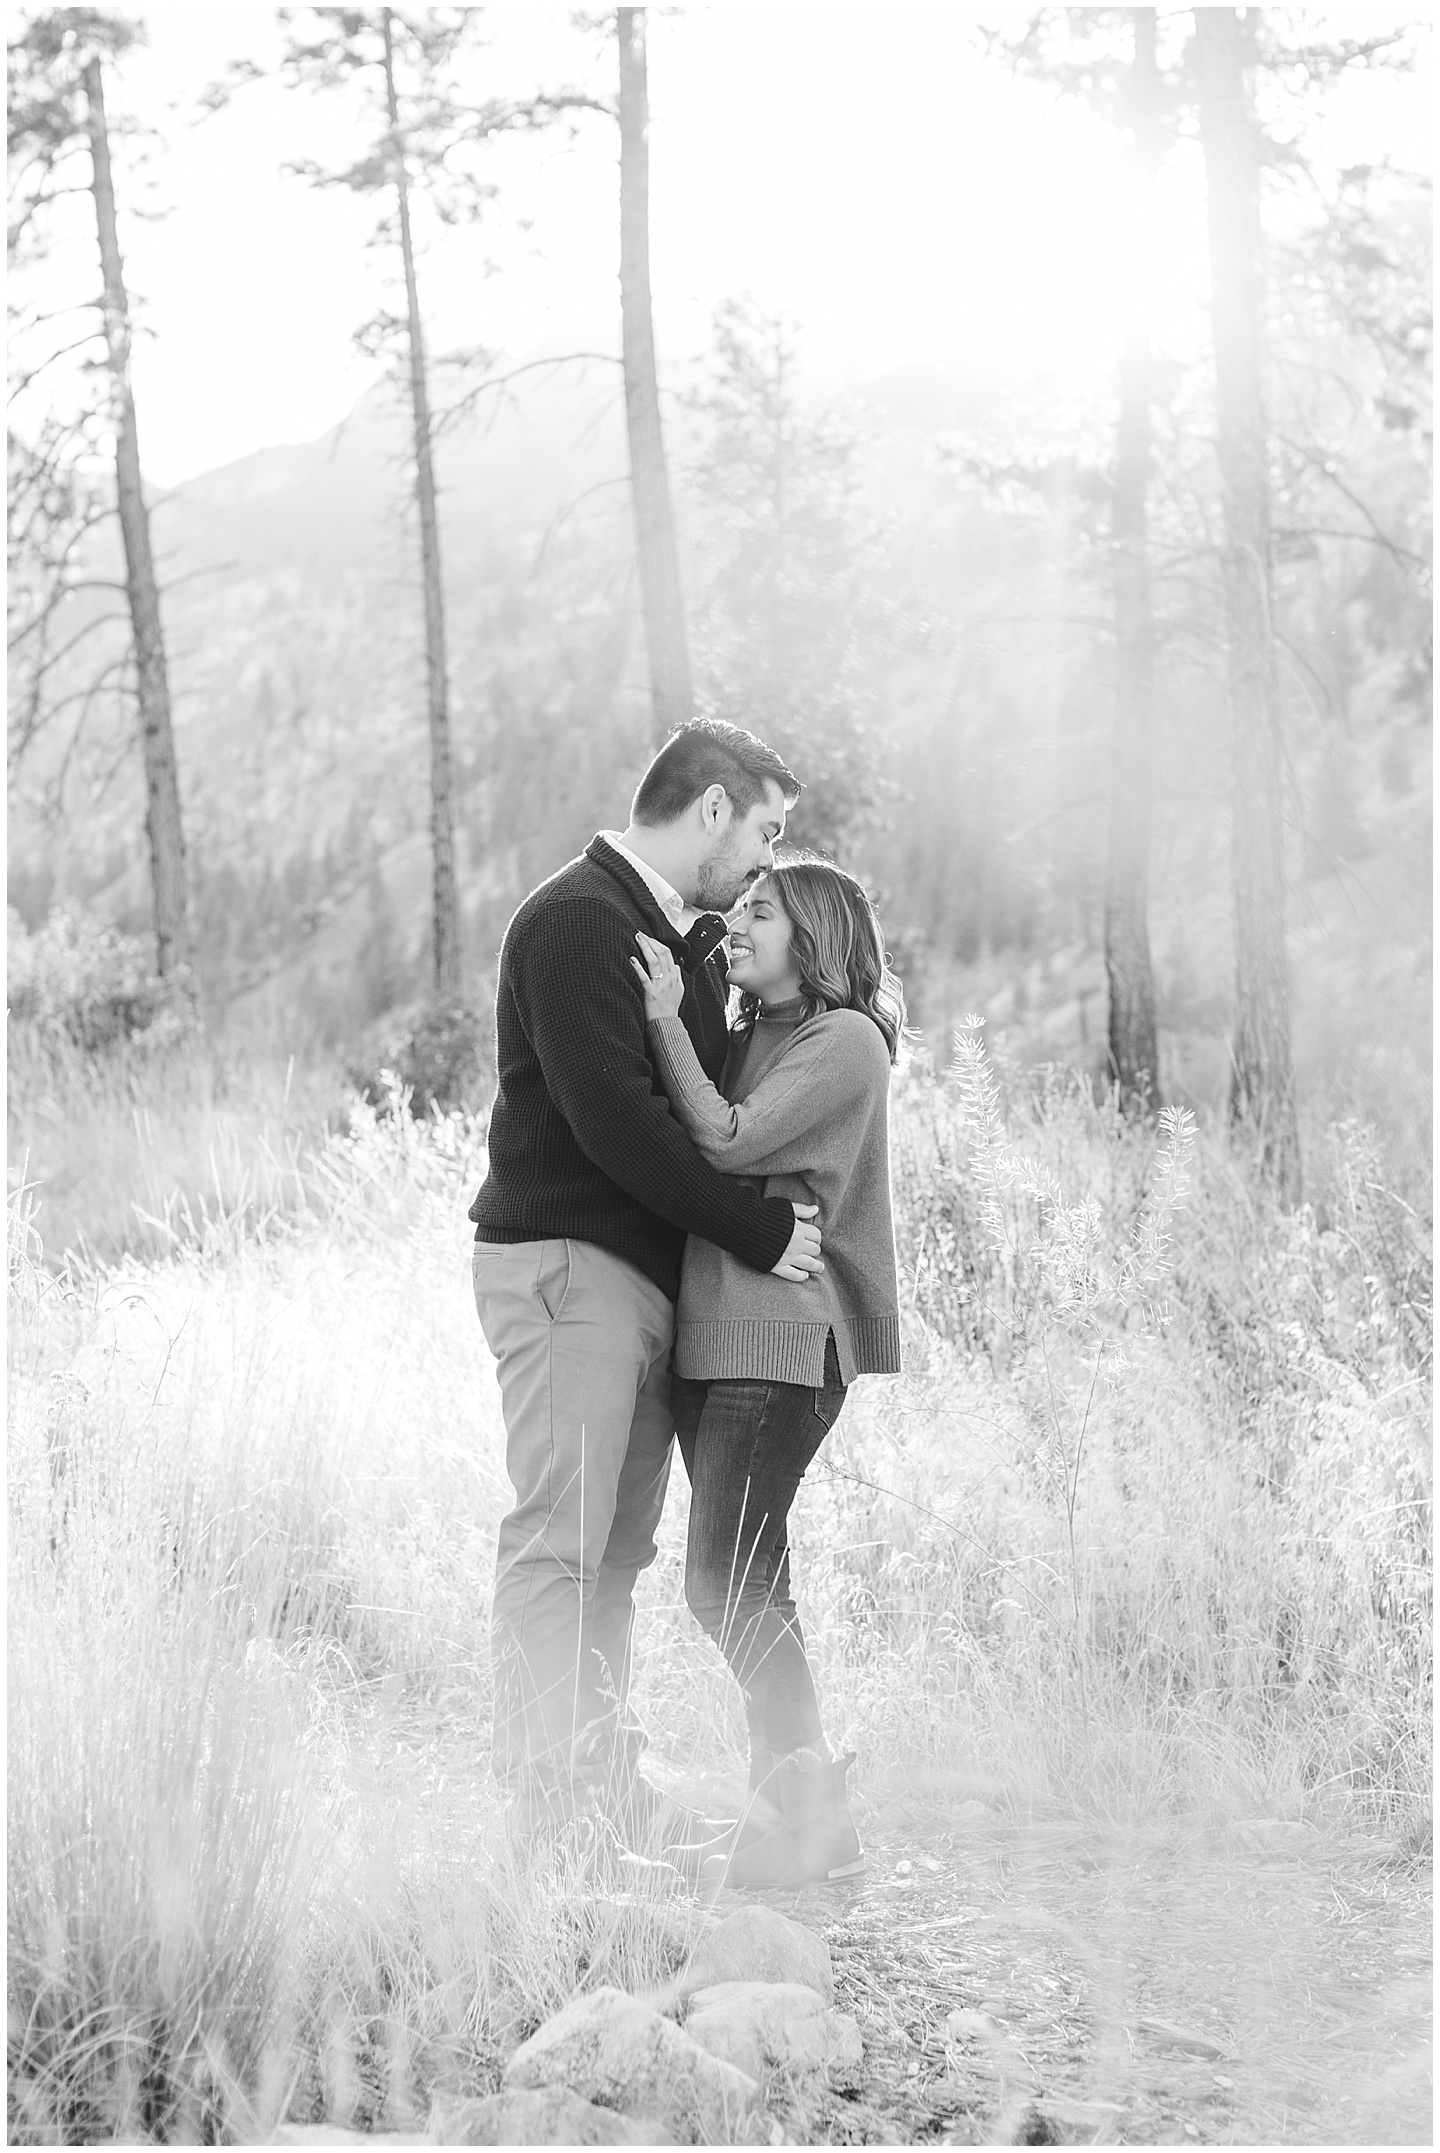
[[753, 1350]]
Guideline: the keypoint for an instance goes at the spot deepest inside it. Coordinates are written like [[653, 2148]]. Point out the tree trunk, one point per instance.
[[174, 951], [661, 602], [1262, 1093], [1134, 1049], [445, 905]]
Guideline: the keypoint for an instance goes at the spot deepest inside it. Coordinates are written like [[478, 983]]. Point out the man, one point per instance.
[[580, 1225]]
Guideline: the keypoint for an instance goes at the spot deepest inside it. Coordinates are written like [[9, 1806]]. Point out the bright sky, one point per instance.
[[867, 170]]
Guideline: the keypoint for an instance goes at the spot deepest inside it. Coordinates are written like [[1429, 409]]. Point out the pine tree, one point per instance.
[[1078, 51], [56, 72], [659, 563], [1262, 1094], [794, 617], [1134, 1048], [424, 143]]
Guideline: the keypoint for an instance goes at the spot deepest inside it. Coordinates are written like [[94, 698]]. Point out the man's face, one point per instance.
[[744, 847]]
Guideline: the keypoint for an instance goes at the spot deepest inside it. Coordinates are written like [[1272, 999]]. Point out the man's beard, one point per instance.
[[721, 882]]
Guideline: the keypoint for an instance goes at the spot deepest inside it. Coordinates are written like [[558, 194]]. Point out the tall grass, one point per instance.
[[159, 1831], [1144, 1530], [1195, 1514], [151, 1147], [252, 1499]]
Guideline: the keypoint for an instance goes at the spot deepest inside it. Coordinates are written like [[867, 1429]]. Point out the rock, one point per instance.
[[757, 1944], [317, 2134], [622, 2055], [335, 2134], [628, 1939], [968, 2025], [1278, 1837], [762, 2026], [1191, 2044], [676, 1925], [552, 2117], [1074, 2123]]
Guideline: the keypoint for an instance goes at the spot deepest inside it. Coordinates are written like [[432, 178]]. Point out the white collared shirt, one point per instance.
[[681, 916]]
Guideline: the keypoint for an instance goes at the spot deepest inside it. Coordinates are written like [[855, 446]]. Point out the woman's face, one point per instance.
[[761, 959]]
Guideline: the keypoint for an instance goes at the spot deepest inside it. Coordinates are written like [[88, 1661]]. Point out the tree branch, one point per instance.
[[562, 514], [464, 406], [23, 381], [52, 605], [1325, 466]]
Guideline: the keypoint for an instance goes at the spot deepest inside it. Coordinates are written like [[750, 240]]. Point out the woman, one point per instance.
[[762, 1367]]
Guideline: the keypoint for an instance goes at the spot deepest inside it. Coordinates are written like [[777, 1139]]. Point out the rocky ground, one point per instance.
[[1261, 1984]]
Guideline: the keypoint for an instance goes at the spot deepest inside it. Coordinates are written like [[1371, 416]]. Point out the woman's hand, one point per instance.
[[661, 977]]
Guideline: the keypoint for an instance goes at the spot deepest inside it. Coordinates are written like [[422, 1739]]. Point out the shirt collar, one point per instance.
[[681, 916]]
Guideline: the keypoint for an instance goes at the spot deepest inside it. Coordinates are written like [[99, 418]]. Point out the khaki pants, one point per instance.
[[582, 1343]]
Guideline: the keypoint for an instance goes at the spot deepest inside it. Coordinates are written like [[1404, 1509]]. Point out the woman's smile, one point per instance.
[[761, 958]]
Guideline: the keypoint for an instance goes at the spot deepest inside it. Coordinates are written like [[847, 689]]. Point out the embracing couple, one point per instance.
[[673, 1133]]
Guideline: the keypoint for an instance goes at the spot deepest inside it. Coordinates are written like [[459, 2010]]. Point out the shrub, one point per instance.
[[436, 1058], [81, 982], [1018, 1203]]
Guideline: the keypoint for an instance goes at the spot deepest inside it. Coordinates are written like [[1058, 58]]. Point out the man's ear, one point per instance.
[[713, 803]]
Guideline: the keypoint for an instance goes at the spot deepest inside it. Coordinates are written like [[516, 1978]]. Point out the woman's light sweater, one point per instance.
[[804, 1110]]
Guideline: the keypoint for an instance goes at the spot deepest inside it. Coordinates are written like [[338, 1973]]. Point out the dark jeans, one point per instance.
[[746, 1447]]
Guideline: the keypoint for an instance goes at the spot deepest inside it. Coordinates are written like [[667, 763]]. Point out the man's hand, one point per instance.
[[801, 1259]]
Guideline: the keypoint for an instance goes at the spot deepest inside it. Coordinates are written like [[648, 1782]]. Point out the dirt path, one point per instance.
[[1256, 1986], [1260, 1984]]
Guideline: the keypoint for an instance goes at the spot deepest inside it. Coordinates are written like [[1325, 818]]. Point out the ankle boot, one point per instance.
[[762, 1813], [703, 1858], [816, 1840]]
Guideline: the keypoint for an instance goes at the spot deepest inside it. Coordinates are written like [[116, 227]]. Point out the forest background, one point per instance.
[[1122, 1591], [931, 642]]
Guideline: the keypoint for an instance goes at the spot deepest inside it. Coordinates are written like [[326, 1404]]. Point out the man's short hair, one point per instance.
[[709, 752]]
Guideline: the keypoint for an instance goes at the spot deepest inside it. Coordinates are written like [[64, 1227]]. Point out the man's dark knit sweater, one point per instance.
[[582, 1141]]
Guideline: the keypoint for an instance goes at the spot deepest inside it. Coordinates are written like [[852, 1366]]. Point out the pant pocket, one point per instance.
[[827, 1407], [552, 1277]]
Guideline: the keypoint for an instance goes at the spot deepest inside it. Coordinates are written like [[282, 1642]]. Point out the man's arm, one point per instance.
[[585, 1019]]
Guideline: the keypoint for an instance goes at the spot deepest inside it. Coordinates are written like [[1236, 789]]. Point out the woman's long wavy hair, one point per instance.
[[838, 948]]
